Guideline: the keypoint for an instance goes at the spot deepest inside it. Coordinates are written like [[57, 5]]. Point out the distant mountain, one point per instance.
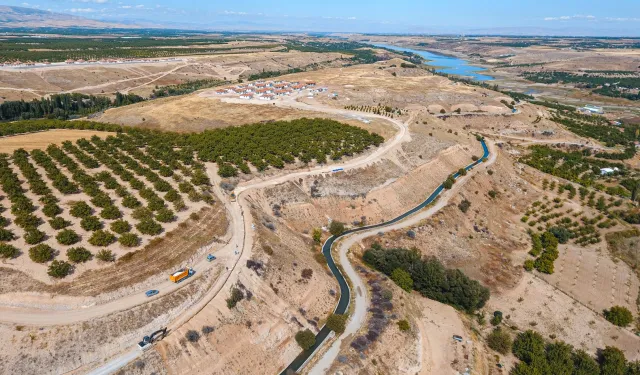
[[11, 16]]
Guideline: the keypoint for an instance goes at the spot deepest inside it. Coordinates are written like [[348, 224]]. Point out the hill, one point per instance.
[[11, 16]]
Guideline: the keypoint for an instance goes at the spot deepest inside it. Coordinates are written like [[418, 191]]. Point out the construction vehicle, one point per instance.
[[181, 274], [147, 341]]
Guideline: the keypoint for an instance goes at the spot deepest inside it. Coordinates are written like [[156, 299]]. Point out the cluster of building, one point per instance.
[[269, 90]]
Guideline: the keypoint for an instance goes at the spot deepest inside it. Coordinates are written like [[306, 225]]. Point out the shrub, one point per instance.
[[106, 255], [101, 200], [79, 254], [337, 322], [34, 236], [91, 223], [528, 265], [403, 279], [110, 212], [500, 341], [192, 335], [51, 210], [194, 216], [6, 235], [336, 228], [120, 226], [131, 202], [462, 172], [619, 315], [172, 196], [67, 237], [207, 330], [306, 339], [80, 209], [493, 194], [235, 297], [497, 318], [141, 213], [464, 206], [155, 203], [562, 234], [27, 220], [307, 273], [8, 251], [317, 235], [448, 183], [102, 238], [149, 226], [129, 240], [41, 253], [403, 325], [59, 269], [165, 215], [58, 223]]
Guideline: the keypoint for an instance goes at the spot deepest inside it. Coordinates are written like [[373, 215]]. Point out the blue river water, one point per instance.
[[345, 293], [446, 64]]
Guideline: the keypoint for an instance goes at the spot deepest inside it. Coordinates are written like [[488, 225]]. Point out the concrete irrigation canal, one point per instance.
[[345, 292]]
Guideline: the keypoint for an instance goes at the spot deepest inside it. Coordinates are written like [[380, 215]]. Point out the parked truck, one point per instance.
[[181, 274]]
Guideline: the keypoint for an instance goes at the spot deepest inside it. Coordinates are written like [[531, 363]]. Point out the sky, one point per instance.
[[585, 17]]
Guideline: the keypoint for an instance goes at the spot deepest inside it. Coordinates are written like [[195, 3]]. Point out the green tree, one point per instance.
[[528, 265], [59, 269], [91, 223], [102, 238], [78, 254], [106, 255], [8, 251], [612, 361], [149, 226], [336, 228], [497, 318], [306, 339], [619, 315], [536, 245], [165, 215], [317, 235], [559, 358], [337, 322], [528, 345], [120, 226], [403, 279], [500, 341], [129, 240], [67, 237], [80, 209], [110, 212], [58, 223], [41, 253], [584, 364], [34, 236]]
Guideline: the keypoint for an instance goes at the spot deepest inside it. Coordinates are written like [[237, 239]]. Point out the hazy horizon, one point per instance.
[[579, 18]]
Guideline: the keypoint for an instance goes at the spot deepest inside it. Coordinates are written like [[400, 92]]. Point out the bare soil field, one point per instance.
[[43, 139], [141, 78], [256, 336], [427, 347], [194, 113]]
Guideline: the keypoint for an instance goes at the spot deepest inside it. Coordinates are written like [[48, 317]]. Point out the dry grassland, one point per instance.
[[40, 140]]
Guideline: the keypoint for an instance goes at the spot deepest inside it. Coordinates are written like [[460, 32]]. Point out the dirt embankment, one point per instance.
[[257, 334]]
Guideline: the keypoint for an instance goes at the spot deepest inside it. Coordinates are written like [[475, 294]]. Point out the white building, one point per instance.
[[606, 171], [246, 96], [593, 109]]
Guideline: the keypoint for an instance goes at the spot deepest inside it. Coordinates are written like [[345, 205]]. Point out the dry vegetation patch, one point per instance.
[[41, 140]]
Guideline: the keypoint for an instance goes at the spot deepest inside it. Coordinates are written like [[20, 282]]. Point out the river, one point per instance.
[[445, 64]]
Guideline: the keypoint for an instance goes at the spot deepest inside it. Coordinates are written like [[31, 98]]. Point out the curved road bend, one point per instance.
[[120, 361], [345, 292]]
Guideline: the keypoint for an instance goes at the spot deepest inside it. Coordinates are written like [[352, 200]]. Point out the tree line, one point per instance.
[[62, 106], [428, 276]]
